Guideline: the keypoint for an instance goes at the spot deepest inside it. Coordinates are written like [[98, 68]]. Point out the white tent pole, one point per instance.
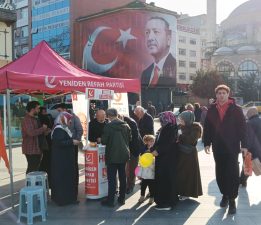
[[8, 103]]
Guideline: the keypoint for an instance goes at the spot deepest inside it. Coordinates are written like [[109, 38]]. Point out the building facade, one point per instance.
[[21, 29], [7, 19], [239, 38], [188, 54], [50, 21]]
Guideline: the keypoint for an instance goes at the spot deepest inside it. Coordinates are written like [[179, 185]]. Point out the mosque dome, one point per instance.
[[223, 51], [246, 13], [246, 49]]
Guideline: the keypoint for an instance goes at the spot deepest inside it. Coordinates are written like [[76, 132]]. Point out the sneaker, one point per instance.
[[141, 199], [151, 201], [232, 207], [224, 202], [107, 203], [162, 207], [183, 198]]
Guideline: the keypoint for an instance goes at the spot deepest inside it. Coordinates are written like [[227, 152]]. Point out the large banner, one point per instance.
[[130, 44]]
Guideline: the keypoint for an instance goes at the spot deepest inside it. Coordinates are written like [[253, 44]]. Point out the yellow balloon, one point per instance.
[[146, 160]]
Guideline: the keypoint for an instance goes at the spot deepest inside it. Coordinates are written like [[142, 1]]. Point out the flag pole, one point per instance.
[[8, 103]]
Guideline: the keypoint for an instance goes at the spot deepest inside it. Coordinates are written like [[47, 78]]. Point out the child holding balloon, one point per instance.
[[147, 169]]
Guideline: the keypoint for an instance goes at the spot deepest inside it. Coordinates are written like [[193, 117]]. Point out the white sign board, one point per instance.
[[120, 102], [99, 94], [80, 109]]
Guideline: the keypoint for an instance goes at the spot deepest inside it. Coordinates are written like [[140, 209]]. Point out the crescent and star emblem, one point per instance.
[[117, 97], [48, 83], [89, 62]]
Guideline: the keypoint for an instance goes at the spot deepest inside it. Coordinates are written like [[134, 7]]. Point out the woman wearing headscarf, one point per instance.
[[165, 162], [188, 173], [63, 162]]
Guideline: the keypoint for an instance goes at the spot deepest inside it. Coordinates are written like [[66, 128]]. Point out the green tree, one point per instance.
[[205, 82], [249, 87]]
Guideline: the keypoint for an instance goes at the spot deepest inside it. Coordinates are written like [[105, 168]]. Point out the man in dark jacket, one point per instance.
[[96, 126], [136, 145], [225, 130], [116, 136], [145, 124]]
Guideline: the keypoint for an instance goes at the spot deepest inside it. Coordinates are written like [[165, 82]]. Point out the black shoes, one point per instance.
[[111, 204], [121, 201], [228, 202], [224, 202], [107, 203], [129, 190], [243, 183], [232, 207]]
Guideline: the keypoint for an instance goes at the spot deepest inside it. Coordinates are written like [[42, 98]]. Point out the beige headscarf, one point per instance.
[[62, 121]]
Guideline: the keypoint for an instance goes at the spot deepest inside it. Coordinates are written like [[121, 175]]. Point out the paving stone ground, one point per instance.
[[204, 210]]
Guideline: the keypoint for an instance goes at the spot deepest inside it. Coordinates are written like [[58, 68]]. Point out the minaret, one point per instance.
[[211, 22]]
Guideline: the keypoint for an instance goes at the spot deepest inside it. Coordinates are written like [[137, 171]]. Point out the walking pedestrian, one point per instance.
[[225, 130]]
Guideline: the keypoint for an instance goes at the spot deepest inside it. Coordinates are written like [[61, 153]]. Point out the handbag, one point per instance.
[[186, 148], [248, 164], [256, 165]]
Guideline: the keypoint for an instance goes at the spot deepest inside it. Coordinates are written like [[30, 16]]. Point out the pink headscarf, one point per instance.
[[67, 117], [167, 117]]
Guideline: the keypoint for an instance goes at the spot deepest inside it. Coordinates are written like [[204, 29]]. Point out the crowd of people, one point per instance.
[[174, 174]]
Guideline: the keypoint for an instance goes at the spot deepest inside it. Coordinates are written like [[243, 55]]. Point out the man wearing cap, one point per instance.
[[77, 131]]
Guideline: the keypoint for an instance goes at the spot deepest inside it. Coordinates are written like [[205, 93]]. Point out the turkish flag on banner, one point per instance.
[[2, 148]]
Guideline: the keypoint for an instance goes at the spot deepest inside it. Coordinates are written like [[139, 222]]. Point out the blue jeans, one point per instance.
[[112, 172]]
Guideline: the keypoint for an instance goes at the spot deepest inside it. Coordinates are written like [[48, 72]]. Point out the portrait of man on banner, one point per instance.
[[158, 38]]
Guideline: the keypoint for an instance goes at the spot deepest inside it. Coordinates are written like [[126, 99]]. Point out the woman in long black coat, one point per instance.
[[165, 162], [63, 162]]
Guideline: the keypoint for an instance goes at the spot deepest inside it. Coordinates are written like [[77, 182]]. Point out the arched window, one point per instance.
[[226, 68], [246, 68]]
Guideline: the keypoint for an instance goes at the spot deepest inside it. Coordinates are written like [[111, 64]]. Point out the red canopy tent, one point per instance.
[[42, 70]]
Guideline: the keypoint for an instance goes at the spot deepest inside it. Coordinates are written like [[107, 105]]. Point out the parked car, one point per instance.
[[251, 104], [53, 112]]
